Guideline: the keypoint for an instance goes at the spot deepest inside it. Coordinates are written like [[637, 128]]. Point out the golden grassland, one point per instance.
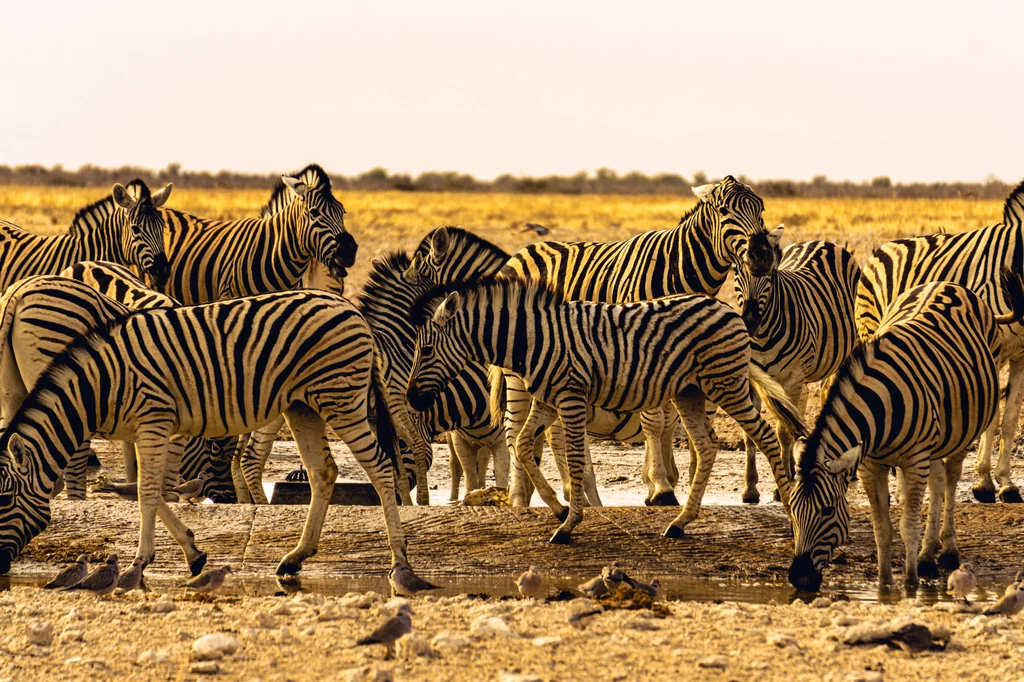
[[382, 221]]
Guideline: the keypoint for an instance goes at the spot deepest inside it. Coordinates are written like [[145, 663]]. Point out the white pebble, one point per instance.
[[720, 662], [757, 665], [506, 676], [491, 626], [40, 634], [821, 603], [553, 640], [450, 640], [214, 646], [71, 635], [205, 667]]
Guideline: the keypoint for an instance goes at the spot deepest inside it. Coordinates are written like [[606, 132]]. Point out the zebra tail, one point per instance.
[[387, 436], [1013, 293], [498, 399], [773, 395]]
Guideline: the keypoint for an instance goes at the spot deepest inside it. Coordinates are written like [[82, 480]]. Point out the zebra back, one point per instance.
[[118, 283]]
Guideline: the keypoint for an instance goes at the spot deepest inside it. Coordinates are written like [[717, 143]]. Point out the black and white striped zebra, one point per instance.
[[725, 228], [913, 396], [971, 259], [125, 227], [628, 357], [211, 371], [800, 319]]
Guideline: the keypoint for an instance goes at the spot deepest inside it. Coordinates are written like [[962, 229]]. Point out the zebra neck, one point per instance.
[[291, 252], [97, 236], [703, 262], [55, 425]]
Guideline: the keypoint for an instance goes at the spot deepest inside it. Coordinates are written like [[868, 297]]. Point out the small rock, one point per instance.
[[330, 612], [305, 599], [78, 614], [782, 640], [37, 651], [757, 665], [506, 676], [214, 646], [720, 662], [821, 603], [161, 605], [414, 645], [40, 634], [71, 635], [450, 640], [553, 640], [490, 626], [366, 673], [264, 620], [282, 609], [644, 624], [285, 635], [864, 676], [356, 600], [845, 621], [205, 667], [308, 632], [754, 635]]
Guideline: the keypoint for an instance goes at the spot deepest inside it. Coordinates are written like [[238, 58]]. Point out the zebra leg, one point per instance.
[[914, 482], [537, 421], [237, 477], [254, 457], [465, 451], [555, 436], [483, 459], [500, 456], [690, 406], [131, 465], [926, 566], [589, 478], [750, 493], [798, 396], [74, 472], [949, 557], [572, 412], [311, 440], [172, 470], [985, 489], [1008, 492], [653, 424], [668, 437], [518, 402], [454, 469], [875, 480]]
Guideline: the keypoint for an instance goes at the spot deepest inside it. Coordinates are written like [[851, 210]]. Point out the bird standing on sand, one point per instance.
[[405, 583], [210, 580], [132, 578], [962, 582], [1010, 604], [1016, 581], [72, 575], [391, 630], [531, 584], [594, 588], [653, 589], [102, 581], [192, 490]]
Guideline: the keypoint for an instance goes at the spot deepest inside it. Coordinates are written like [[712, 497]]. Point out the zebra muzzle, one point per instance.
[[420, 400], [803, 575]]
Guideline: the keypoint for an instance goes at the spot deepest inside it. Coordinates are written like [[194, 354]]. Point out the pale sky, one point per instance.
[[917, 91]]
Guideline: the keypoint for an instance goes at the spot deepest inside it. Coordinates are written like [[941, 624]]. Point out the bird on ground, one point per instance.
[[391, 630], [71, 575], [531, 583], [1016, 581], [129, 491], [405, 583], [581, 611], [962, 582], [100, 582], [210, 580], [594, 588], [653, 589], [912, 638], [612, 576], [1010, 604], [192, 490], [536, 228], [132, 578]]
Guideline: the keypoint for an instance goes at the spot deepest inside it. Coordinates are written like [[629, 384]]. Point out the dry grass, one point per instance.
[[389, 220]]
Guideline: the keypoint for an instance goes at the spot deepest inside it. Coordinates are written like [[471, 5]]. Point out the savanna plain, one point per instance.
[[279, 634]]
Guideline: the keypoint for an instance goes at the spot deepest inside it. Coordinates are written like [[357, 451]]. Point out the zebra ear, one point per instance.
[[122, 198], [703, 192], [160, 198], [294, 184], [446, 310], [845, 462], [775, 236], [18, 453], [439, 242], [411, 275]]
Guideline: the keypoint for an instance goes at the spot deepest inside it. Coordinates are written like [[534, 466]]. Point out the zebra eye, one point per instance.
[[723, 210], [314, 213]]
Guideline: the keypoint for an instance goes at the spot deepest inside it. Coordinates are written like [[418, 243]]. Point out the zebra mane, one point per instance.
[[90, 217], [1013, 209], [463, 239], [538, 293], [384, 283], [313, 175]]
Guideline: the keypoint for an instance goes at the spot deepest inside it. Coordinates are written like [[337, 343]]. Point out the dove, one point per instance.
[[594, 588], [531, 584], [537, 228], [71, 575], [612, 576], [1016, 581], [912, 638], [581, 612], [653, 589], [129, 491], [405, 583], [191, 490], [962, 582], [392, 629], [132, 578], [210, 580], [100, 582], [1010, 604]]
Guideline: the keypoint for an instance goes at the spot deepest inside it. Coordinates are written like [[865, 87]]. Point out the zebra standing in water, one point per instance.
[[204, 371], [124, 228], [725, 228], [629, 357], [800, 319], [973, 260], [915, 396]]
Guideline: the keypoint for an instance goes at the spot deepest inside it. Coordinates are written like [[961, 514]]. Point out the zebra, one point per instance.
[[125, 227], [41, 315], [971, 259], [800, 319], [626, 357], [212, 370], [724, 228], [914, 396]]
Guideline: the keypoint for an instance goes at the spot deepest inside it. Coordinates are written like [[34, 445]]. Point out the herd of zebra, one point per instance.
[[240, 326]]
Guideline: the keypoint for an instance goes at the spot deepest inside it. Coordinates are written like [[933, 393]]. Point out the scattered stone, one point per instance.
[[40, 634], [755, 635], [414, 645], [214, 646], [757, 665], [285, 635], [450, 640], [506, 676], [71, 635], [95, 663], [264, 620], [205, 667], [357, 600], [491, 626], [864, 676], [641, 623], [821, 603], [308, 632], [78, 614], [161, 605], [367, 673], [720, 662], [37, 651], [553, 640], [782, 640], [329, 612], [845, 621]]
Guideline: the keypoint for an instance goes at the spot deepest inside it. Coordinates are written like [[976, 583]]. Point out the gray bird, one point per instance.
[[132, 578], [210, 580], [912, 638], [102, 581], [391, 630], [72, 575], [581, 612], [654, 589], [405, 583], [191, 490], [129, 491], [1010, 604], [612, 576], [962, 582], [1016, 581], [531, 583], [594, 588], [537, 228]]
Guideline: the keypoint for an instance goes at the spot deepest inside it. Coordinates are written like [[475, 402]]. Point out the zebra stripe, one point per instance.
[[210, 371], [973, 260], [800, 319], [124, 228], [914, 396], [630, 357]]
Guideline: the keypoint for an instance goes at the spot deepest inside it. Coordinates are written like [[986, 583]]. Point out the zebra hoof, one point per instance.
[[299, 475], [562, 515], [674, 532], [1010, 495], [647, 502], [983, 494], [288, 568], [560, 538], [197, 564], [927, 568], [949, 560], [665, 499], [751, 497]]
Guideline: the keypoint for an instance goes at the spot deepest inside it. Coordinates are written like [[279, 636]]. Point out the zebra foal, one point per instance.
[[631, 357]]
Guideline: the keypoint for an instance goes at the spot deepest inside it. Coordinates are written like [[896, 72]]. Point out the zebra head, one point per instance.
[[142, 228], [741, 225], [819, 510], [323, 231], [753, 293], [439, 356], [24, 508]]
